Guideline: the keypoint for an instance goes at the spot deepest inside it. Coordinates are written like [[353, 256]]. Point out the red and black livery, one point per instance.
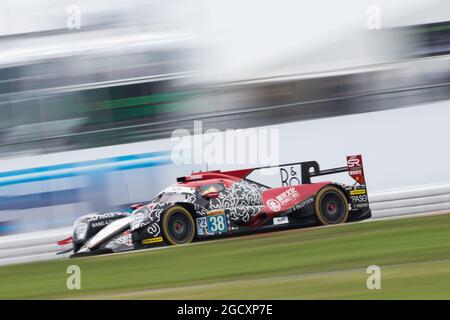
[[223, 203]]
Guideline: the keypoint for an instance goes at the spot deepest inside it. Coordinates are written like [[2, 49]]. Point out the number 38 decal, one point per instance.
[[217, 223]]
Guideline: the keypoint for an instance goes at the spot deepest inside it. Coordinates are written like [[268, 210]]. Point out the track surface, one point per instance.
[[328, 262], [264, 234]]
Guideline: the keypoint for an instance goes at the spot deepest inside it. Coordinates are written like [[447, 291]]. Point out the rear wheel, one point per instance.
[[178, 226], [331, 206]]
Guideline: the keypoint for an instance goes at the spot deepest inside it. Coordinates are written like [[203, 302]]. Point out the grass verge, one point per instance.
[[316, 263]]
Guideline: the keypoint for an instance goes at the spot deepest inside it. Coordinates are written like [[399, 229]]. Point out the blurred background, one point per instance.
[[90, 93]]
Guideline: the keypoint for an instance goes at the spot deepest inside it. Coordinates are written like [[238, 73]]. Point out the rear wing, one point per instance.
[[289, 172], [311, 169], [354, 168]]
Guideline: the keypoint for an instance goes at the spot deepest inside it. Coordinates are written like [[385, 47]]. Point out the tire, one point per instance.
[[331, 206], [177, 226]]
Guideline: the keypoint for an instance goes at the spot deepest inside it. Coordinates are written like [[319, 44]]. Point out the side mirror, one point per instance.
[[210, 195], [136, 206]]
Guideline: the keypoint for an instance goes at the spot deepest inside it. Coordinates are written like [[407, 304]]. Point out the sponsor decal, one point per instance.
[[274, 205], [280, 220], [288, 196], [215, 212], [152, 240], [291, 176], [357, 192], [96, 217], [301, 205], [305, 202], [359, 199], [284, 199], [355, 168], [353, 162], [100, 223]]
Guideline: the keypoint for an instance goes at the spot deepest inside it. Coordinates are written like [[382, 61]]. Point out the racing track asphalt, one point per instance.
[[263, 234]]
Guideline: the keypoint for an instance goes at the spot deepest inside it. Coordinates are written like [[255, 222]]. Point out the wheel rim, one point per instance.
[[332, 207], [179, 227]]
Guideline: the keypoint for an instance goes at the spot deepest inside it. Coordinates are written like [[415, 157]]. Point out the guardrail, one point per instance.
[[34, 246], [410, 200], [37, 246]]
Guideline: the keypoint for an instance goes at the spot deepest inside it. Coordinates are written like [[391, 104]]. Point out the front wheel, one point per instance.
[[178, 226], [331, 206]]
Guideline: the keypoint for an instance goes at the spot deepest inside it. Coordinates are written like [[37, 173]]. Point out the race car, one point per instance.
[[218, 203]]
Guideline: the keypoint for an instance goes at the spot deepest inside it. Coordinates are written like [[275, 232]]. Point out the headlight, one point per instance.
[[80, 230]]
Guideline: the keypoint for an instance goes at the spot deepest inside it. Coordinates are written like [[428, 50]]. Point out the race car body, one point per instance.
[[215, 203]]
